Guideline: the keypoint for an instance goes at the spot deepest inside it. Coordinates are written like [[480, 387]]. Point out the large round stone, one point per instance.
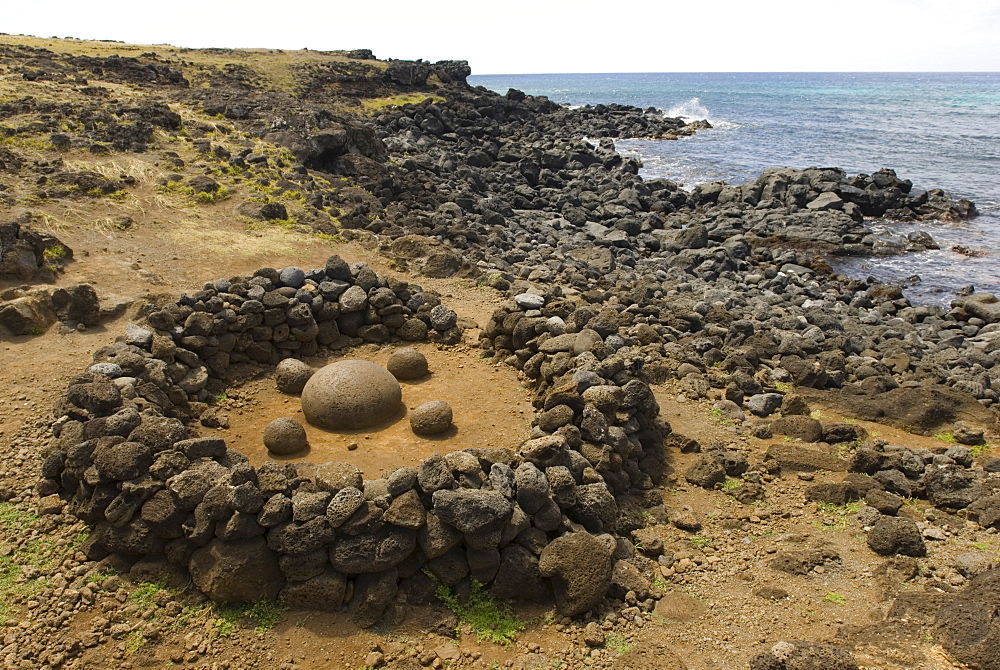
[[350, 394]]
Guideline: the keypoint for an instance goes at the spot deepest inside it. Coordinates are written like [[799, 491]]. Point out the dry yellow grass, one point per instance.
[[276, 67]]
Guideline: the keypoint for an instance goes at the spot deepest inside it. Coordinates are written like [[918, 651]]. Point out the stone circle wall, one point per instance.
[[543, 519]]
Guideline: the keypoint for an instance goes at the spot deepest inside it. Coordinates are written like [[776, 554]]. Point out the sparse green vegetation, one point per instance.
[[980, 449], [263, 615], [144, 594], [731, 484], [700, 541], [834, 597], [617, 643], [946, 437], [376, 105], [487, 617], [37, 554], [54, 253], [133, 641], [208, 197]]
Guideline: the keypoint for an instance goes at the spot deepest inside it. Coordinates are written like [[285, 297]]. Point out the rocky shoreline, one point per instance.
[[613, 284]]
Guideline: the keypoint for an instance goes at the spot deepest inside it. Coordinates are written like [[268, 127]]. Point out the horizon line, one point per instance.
[[522, 74]]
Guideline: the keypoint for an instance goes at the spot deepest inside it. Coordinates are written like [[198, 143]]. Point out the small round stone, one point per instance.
[[407, 363], [285, 436], [431, 418], [291, 375], [350, 394]]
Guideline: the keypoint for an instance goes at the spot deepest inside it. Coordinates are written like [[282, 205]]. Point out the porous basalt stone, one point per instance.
[[350, 394], [580, 566]]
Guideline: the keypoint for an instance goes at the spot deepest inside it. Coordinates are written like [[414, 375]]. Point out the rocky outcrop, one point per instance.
[[26, 255]]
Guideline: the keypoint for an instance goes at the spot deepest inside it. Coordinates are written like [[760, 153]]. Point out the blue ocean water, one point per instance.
[[940, 130]]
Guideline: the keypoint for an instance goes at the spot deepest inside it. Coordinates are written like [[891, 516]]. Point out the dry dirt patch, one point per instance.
[[490, 407]]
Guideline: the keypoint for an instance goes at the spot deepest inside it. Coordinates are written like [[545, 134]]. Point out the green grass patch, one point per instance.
[[376, 105], [208, 197], [262, 615], [133, 641], [731, 484], [946, 437], [701, 541], [144, 594], [54, 253], [617, 643], [488, 618], [840, 514], [38, 553], [834, 597]]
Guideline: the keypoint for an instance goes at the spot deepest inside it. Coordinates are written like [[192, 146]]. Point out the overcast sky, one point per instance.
[[522, 36]]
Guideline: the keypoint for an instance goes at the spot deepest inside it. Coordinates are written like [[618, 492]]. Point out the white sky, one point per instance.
[[522, 36]]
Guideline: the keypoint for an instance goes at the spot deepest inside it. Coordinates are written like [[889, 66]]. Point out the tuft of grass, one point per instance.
[[980, 449], [54, 253], [946, 437], [133, 641], [617, 643], [700, 541], [206, 197], [144, 594], [263, 615], [840, 513], [287, 224], [731, 484], [834, 597], [38, 553], [376, 105], [490, 619]]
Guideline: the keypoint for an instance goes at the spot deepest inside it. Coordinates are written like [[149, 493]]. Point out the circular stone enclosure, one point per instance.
[[350, 394]]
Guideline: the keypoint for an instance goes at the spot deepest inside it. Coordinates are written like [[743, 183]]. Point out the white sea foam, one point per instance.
[[689, 110], [693, 110]]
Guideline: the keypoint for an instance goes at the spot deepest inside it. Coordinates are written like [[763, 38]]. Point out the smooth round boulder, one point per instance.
[[431, 418], [285, 436], [407, 363], [350, 394], [291, 375]]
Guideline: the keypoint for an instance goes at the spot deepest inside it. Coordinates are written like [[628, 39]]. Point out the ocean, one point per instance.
[[940, 130]]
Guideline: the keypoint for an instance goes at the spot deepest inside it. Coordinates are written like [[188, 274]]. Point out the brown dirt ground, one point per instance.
[[490, 409]]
